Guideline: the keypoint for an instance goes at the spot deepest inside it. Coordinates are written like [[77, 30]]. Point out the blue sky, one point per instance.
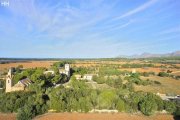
[[88, 28]]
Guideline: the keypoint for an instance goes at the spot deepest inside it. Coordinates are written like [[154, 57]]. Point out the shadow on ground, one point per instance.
[[176, 117]]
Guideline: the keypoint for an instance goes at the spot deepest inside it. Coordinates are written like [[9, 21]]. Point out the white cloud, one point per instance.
[[83, 30], [138, 9], [171, 30], [57, 21]]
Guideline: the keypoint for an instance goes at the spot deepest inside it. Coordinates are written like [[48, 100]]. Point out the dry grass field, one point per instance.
[[156, 70], [101, 116], [168, 85], [78, 63], [151, 69], [29, 64], [176, 73], [90, 63]]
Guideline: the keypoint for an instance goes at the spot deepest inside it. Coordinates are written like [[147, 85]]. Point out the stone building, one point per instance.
[[21, 85], [88, 76], [78, 76], [65, 71], [9, 80], [133, 70], [85, 77]]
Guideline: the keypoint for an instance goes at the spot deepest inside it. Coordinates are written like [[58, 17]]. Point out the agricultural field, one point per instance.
[[27, 64], [168, 85], [127, 86]]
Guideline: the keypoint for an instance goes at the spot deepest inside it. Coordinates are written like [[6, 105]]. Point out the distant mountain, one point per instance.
[[149, 55]]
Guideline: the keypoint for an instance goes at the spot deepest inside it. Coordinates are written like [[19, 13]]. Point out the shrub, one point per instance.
[[107, 99], [26, 113], [170, 106], [157, 82], [148, 105], [120, 105], [163, 74], [177, 112], [99, 80]]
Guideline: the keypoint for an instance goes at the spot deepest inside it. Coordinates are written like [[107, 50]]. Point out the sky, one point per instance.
[[88, 28]]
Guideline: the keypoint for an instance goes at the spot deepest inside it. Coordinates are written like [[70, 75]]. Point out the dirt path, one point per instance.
[[176, 72], [100, 116], [9, 116]]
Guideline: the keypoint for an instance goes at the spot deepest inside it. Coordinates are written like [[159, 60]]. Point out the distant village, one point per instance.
[[24, 83]]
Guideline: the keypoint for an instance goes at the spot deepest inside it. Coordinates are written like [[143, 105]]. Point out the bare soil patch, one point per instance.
[[101, 116], [9, 116]]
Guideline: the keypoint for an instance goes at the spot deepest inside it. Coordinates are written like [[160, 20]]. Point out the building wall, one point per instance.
[[8, 84], [62, 72], [50, 71], [9, 87], [9, 81], [78, 77], [88, 77], [66, 70], [19, 88], [67, 67]]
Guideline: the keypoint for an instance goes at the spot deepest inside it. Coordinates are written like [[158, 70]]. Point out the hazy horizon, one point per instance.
[[88, 29]]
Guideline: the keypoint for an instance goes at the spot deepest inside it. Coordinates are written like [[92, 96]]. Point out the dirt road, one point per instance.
[[101, 116]]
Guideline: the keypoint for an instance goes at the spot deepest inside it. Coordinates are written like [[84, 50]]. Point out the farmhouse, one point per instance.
[[78, 77], [133, 70], [65, 71], [88, 76], [85, 77], [21, 85]]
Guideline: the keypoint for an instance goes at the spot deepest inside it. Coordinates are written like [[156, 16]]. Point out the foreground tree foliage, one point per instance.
[[44, 95], [148, 105], [170, 106], [76, 99], [26, 113], [107, 99], [26, 104], [120, 105], [11, 102]]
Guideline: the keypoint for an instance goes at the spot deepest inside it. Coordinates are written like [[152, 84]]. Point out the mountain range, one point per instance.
[[150, 55]]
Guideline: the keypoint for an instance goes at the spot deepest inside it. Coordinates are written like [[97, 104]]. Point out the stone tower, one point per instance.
[[9, 80], [67, 69]]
